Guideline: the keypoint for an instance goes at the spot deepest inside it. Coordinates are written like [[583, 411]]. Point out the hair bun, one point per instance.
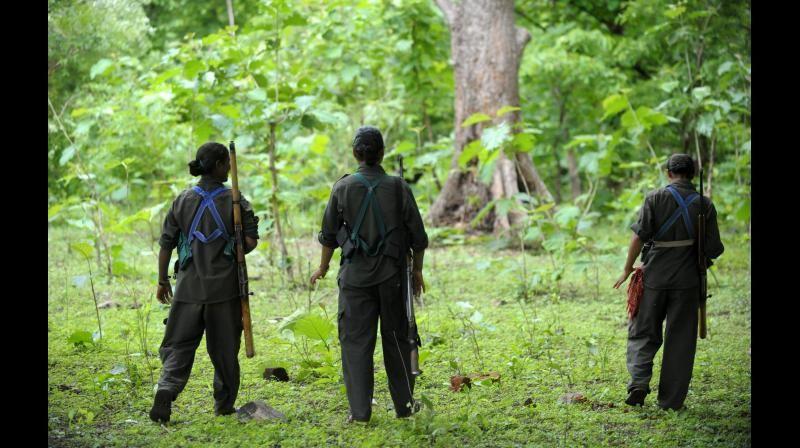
[[196, 167]]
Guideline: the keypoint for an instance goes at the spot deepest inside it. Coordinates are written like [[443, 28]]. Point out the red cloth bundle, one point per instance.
[[635, 292]]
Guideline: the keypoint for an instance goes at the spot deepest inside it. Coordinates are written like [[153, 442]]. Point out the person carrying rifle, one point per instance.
[[200, 225], [667, 231], [374, 218]]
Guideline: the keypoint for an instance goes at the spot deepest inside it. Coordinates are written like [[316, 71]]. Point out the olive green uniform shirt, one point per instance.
[[343, 206], [675, 267], [211, 275]]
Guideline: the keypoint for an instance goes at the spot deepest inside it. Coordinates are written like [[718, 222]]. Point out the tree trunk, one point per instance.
[[229, 4], [709, 190], [557, 184], [574, 177], [287, 265], [486, 48]]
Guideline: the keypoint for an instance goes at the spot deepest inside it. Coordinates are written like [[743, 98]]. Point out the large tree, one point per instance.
[[486, 49]]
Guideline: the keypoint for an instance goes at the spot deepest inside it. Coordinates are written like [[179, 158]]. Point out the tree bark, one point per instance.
[[574, 177], [230, 12], [486, 48], [274, 202]]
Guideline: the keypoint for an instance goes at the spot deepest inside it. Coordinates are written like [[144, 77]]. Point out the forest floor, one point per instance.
[[544, 338]]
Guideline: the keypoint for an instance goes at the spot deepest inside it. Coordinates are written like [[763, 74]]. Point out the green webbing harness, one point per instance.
[[369, 200]]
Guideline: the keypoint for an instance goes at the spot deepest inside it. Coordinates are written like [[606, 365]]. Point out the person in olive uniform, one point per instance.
[[370, 281], [671, 284], [200, 225]]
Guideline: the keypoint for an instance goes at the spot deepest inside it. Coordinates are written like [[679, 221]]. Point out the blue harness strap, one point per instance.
[[681, 211], [376, 212], [208, 203]]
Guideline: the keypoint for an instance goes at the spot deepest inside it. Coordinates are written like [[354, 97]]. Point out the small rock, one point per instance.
[[258, 410], [528, 401], [572, 397], [276, 373], [108, 304]]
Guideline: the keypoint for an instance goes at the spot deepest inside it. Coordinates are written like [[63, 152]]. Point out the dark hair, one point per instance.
[[368, 145], [681, 164], [207, 157]]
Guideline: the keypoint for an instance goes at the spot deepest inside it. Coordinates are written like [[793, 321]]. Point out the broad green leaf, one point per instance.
[[566, 215], [304, 102], [211, 38], [349, 72], [580, 140], [470, 151], [314, 327], [257, 94], [533, 233], [66, 155], [674, 11], [506, 109], [649, 118], [79, 112], [101, 67], [476, 317], [403, 45], [166, 75], [475, 118], [544, 207], [724, 68], [319, 144], [614, 104], [295, 19], [705, 124], [83, 249], [629, 120], [701, 92], [203, 130], [192, 68], [80, 337], [404, 147], [52, 212], [230, 110], [494, 137], [743, 212], [668, 86], [289, 322], [554, 242], [486, 170], [523, 142]]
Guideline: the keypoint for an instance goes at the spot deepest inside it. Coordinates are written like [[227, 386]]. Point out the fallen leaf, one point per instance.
[[457, 383], [572, 397]]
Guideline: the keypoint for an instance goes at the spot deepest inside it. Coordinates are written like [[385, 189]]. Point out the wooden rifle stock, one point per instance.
[[244, 289]]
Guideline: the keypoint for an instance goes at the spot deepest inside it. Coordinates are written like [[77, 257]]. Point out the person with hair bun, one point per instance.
[[200, 225], [374, 219], [665, 235]]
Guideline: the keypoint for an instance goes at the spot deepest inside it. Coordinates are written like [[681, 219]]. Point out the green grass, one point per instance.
[[565, 339]]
